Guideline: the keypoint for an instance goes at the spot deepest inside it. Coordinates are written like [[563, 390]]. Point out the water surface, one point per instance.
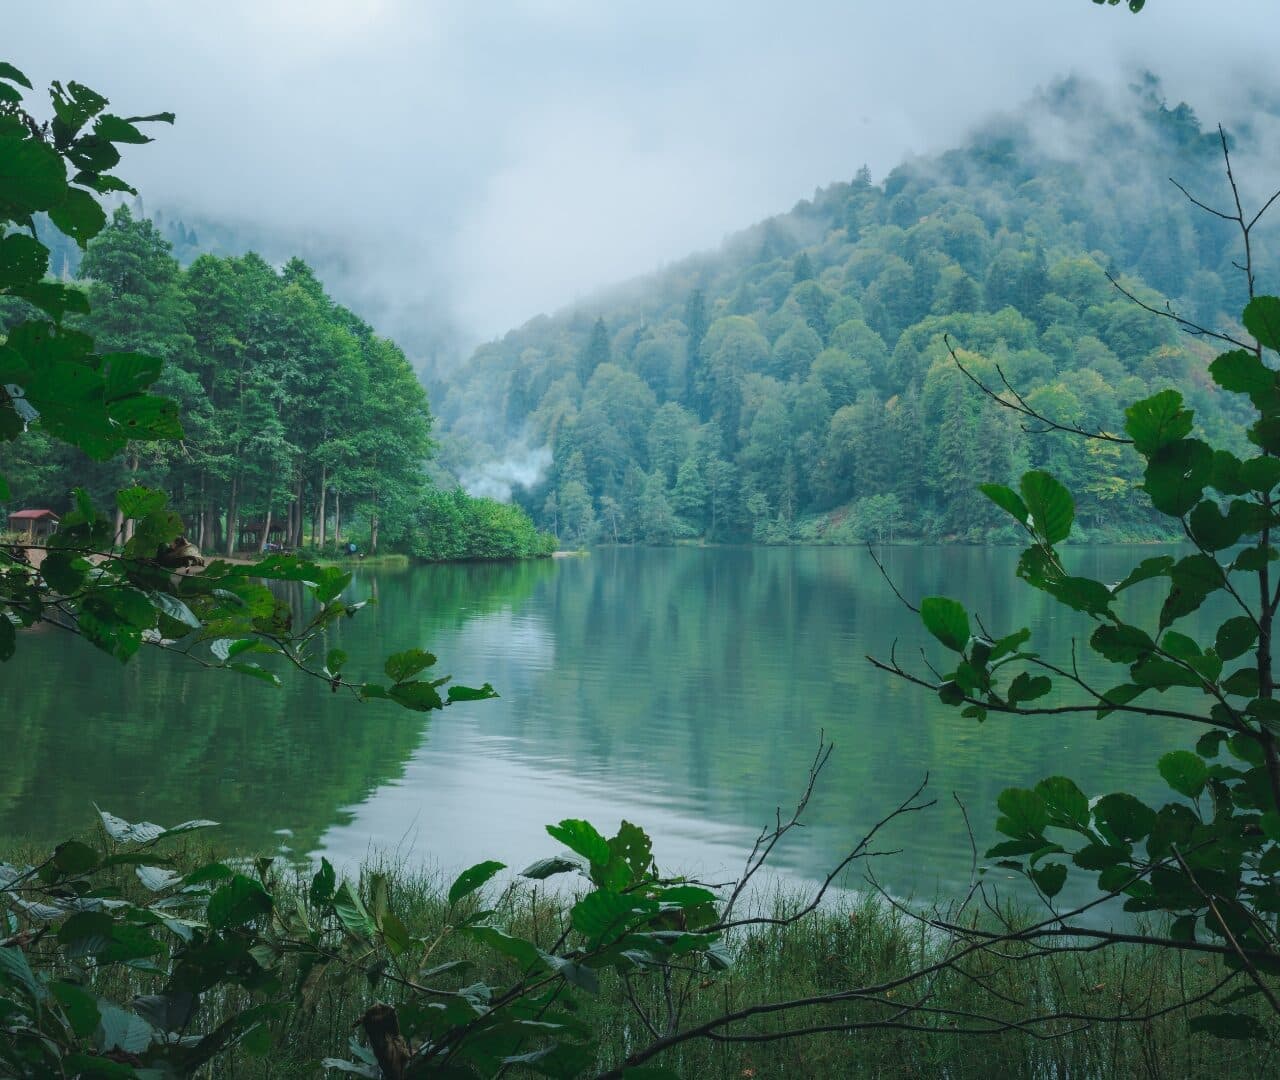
[[683, 689]]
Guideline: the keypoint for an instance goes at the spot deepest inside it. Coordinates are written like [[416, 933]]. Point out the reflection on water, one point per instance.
[[682, 689]]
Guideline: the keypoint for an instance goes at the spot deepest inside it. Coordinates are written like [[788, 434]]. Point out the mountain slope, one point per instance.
[[796, 384]]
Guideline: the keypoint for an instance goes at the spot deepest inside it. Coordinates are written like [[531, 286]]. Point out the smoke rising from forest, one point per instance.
[[522, 467], [465, 172]]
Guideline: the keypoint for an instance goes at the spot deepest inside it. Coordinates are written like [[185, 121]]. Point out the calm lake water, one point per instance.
[[682, 689]]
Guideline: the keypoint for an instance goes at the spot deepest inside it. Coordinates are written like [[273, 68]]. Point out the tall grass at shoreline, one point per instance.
[[854, 941]]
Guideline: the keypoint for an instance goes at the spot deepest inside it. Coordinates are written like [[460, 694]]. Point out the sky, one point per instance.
[[474, 164]]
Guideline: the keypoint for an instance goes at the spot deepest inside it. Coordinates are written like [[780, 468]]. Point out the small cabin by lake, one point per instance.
[[34, 524]]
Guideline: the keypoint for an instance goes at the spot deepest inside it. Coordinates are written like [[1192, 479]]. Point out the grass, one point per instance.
[[852, 942]]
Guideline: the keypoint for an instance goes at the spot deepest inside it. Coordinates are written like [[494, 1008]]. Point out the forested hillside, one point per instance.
[[302, 426], [795, 385]]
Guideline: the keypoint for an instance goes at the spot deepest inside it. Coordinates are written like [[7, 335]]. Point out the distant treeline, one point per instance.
[[796, 384], [303, 427]]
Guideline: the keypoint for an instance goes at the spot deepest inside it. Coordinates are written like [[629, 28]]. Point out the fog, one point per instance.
[[466, 166]]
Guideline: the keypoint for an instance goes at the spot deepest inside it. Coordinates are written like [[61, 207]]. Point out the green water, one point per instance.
[[682, 689]]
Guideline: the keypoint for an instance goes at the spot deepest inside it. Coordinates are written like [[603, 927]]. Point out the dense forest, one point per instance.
[[796, 384], [302, 426]]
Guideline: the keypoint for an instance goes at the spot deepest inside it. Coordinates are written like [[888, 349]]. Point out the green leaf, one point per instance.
[[418, 696], [469, 693], [1026, 687], [1050, 506], [78, 215], [1146, 570], [238, 902], [352, 913], [322, 885], [1008, 500], [32, 175], [1185, 772], [1121, 643], [1125, 817], [80, 1007], [1157, 421], [15, 970], [1236, 637], [138, 502], [582, 837], [1065, 801], [946, 620], [1262, 320], [1024, 813], [175, 609], [525, 953], [1242, 372], [256, 671], [1049, 878], [8, 71], [472, 879], [1229, 1025], [603, 914], [545, 868], [1176, 475], [406, 664]]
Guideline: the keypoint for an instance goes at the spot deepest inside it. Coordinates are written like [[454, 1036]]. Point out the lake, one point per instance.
[[683, 689]]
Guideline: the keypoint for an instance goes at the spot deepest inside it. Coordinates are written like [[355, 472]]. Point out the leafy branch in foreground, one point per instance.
[[123, 959], [51, 376], [1208, 861]]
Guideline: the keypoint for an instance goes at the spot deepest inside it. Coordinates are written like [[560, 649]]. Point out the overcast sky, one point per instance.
[[494, 160]]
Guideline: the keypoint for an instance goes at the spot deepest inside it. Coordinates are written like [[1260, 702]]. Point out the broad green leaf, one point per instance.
[[239, 901], [603, 914], [470, 693], [525, 953], [1121, 643], [1185, 772], [1262, 320], [80, 1007], [406, 664], [78, 215], [1146, 570], [1177, 474], [418, 696], [1236, 637], [545, 868], [1242, 372], [1050, 506], [138, 502], [32, 175], [1027, 687], [322, 885], [1157, 421], [946, 620], [352, 913], [1229, 1025], [1049, 878], [582, 837], [1064, 799], [1124, 816], [472, 879], [1024, 813], [1007, 499]]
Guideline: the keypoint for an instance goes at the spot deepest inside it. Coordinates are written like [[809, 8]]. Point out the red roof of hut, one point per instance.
[[32, 515]]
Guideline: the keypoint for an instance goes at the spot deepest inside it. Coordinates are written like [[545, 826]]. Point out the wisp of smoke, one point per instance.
[[521, 467]]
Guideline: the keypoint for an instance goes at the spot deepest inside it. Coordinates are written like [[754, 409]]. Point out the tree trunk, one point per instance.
[[233, 511], [266, 532], [373, 527], [300, 517], [337, 516], [318, 531], [117, 533]]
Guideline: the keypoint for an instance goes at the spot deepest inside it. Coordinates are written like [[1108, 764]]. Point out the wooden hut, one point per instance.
[[253, 533], [34, 524]]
